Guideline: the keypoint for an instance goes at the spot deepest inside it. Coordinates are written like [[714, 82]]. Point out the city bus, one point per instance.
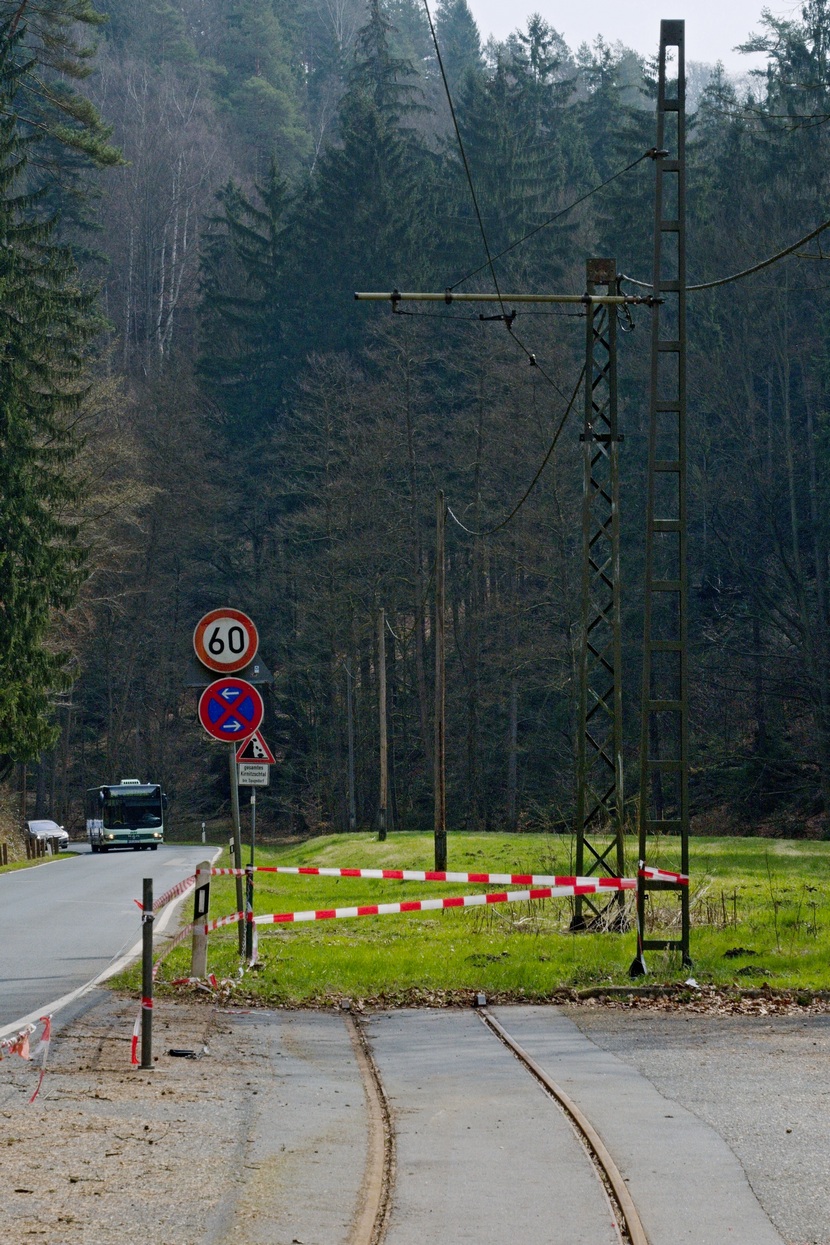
[[125, 814]]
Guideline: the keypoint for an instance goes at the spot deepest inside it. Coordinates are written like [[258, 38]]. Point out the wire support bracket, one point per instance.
[[449, 296]]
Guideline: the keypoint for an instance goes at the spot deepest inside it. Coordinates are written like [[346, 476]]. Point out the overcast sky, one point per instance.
[[713, 27]]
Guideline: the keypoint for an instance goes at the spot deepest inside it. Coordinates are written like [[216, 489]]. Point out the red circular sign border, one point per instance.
[[206, 659], [247, 688]]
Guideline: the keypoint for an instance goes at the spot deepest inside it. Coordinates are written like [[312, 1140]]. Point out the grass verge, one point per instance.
[[760, 917]]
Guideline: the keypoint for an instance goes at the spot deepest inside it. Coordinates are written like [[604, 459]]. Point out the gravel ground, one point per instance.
[[109, 1155], [107, 1152], [763, 1082]]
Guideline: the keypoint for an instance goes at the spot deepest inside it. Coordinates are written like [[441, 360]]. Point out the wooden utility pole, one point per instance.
[[350, 733], [384, 754], [440, 692]]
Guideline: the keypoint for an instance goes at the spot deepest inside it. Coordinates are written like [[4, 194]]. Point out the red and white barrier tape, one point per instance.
[[184, 932], [174, 891], [418, 875], [589, 886], [663, 875], [146, 1005], [20, 1045]]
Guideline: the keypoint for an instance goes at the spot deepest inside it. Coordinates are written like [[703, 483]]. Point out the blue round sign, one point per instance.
[[230, 709]]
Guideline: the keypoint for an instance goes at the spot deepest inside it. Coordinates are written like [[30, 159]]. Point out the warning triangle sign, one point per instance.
[[256, 749]]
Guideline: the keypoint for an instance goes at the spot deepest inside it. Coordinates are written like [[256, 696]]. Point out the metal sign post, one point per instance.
[[237, 841], [226, 641], [249, 898], [147, 974]]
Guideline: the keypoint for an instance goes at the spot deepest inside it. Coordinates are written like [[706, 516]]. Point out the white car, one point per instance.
[[43, 828]]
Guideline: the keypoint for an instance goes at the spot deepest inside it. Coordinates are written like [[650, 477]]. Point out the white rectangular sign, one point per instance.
[[253, 775]]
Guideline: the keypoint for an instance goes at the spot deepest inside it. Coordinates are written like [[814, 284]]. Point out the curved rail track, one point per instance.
[[375, 1213]]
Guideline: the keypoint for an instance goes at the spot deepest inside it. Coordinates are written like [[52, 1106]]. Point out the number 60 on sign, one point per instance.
[[225, 640]]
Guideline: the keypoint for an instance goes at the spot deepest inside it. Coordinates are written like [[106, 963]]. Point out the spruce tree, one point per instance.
[[244, 305], [459, 41], [46, 324]]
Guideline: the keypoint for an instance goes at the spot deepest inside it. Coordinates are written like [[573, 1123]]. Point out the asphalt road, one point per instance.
[[66, 922], [761, 1082]]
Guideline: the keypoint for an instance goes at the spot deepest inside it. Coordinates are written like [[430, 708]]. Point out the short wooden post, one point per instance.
[[440, 781], [384, 755]]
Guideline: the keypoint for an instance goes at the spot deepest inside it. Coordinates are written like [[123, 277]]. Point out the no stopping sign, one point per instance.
[[225, 640], [230, 709]]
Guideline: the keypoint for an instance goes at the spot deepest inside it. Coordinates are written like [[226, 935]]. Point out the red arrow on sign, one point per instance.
[[256, 749]]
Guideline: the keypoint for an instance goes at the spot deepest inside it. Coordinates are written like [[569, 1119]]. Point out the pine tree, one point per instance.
[[46, 324], [49, 56]]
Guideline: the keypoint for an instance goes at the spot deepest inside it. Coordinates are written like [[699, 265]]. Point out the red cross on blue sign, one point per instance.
[[230, 709]]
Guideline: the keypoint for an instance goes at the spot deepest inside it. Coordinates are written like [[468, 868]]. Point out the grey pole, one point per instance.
[[237, 840], [249, 885], [147, 974]]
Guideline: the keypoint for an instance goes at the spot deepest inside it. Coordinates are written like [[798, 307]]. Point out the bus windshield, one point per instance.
[[132, 810]]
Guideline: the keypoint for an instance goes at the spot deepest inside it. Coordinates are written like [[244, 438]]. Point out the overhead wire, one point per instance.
[[473, 195], [508, 318], [505, 316], [490, 531], [746, 272]]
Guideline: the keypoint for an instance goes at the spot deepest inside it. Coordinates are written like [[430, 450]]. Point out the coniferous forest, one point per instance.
[[195, 412]]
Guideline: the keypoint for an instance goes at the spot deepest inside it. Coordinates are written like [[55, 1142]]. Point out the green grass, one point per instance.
[[13, 865], [770, 898]]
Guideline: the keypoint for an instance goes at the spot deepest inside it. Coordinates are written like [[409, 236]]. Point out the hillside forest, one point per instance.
[[194, 411]]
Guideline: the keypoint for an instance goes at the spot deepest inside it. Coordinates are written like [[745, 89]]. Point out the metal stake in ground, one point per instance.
[[147, 975]]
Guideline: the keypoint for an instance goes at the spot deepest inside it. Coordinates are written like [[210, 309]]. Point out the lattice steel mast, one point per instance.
[[599, 771], [664, 726]]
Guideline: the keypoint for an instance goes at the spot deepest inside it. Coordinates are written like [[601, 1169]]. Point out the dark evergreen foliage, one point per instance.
[[45, 327]]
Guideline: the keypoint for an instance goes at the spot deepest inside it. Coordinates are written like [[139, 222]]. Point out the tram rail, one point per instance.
[[377, 1202]]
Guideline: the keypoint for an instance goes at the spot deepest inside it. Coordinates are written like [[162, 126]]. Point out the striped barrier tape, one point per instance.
[[184, 932], [418, 875], [20, 1044], [662, 875], [146, 1005], [588, 887], [178, 889]]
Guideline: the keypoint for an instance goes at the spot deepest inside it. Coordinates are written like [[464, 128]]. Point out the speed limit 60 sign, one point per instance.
[[225, 640]]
